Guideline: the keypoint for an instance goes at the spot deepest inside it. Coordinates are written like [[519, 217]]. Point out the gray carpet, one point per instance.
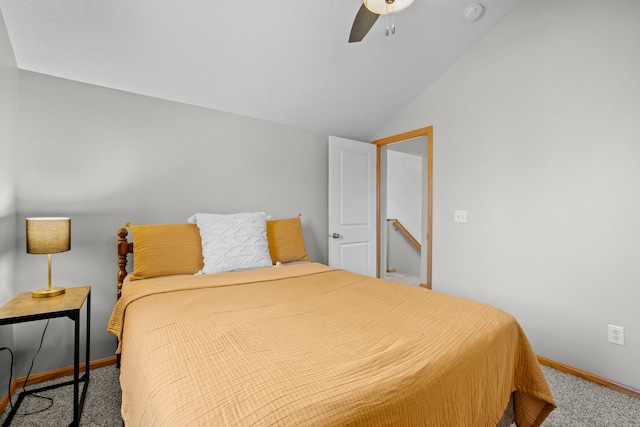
[[580, 404], [585, 404], [403, 278], [101, 407]]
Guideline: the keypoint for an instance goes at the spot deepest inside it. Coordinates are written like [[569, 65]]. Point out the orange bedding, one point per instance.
[[307, 345]]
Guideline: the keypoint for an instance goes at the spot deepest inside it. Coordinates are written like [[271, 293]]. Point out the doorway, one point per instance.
[[417, 142]]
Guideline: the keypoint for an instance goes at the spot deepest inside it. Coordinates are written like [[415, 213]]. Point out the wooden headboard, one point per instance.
[[124, 248]]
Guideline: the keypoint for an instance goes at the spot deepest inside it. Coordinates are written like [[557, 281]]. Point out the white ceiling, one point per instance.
[[286, 61]]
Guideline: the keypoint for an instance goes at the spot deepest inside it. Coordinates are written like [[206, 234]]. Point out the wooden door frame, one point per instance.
[[417, 133]]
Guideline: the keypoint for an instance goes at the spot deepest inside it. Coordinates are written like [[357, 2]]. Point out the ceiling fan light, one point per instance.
[[381, 7]]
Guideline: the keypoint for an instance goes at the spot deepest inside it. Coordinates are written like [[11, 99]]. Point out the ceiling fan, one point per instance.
[[368, 15]]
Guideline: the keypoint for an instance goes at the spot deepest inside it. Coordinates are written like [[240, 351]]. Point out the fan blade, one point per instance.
[[362, 24]]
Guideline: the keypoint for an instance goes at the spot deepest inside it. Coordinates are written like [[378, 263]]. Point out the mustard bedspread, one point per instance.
[[307, 345]]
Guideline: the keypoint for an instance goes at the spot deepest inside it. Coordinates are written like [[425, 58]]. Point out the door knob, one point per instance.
[[335, 235]]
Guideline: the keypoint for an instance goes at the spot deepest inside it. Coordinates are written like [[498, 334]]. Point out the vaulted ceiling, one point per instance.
[[287, 61]]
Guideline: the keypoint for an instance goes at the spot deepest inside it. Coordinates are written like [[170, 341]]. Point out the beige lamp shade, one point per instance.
[[384, 7], [48, 235]]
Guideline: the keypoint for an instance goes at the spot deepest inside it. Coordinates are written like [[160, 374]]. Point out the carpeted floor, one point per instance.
[[101, 407], [580, 404], [585, 404], [403, 278]]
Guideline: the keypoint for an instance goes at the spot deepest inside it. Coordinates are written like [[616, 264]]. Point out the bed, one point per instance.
[[297, 343]]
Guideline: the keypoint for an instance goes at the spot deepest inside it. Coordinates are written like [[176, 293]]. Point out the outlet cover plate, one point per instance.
[[616, 334]]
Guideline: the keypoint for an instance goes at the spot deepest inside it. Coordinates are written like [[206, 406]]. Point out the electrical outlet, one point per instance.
[[616, 334]]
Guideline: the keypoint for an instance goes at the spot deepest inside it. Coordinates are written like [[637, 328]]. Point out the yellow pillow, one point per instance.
[[286, 242], [165, 249]]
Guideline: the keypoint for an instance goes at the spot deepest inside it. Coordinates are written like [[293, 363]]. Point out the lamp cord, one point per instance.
[[10, 375], [24, 385]]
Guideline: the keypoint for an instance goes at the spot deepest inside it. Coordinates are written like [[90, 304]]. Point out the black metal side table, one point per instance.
[[25, 308]]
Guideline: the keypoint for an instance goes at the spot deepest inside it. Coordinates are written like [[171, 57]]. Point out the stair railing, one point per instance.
[[398, 226]]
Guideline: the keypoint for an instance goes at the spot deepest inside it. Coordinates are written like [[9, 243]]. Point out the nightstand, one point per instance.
[[25, 308]]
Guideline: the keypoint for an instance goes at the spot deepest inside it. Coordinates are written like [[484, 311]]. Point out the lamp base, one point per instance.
[[47, 292]]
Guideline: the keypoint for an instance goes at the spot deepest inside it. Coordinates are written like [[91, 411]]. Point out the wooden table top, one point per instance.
[[24, 305]]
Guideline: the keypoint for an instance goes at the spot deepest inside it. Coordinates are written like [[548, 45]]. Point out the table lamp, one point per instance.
[[48, 236]]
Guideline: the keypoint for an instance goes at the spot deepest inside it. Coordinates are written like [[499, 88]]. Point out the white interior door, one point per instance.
[[352, 205]]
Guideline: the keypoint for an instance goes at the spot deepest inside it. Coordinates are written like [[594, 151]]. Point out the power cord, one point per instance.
[[10, 375], [24, 385], [26, 380]]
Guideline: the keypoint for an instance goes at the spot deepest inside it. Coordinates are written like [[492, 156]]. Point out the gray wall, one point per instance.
[[8, 105], [104, 157], [536, 134]]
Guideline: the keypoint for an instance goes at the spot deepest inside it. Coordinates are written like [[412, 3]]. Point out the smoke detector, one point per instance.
[[473, 12]]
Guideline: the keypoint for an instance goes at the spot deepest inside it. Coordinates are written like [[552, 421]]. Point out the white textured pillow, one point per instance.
[[233, 242]]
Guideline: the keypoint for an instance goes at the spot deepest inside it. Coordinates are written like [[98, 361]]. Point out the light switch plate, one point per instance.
[[459, 216]]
